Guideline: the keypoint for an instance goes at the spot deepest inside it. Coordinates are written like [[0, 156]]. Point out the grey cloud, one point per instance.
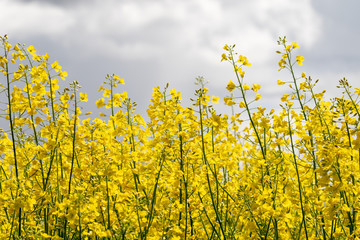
[[338, 50], [180, 42]]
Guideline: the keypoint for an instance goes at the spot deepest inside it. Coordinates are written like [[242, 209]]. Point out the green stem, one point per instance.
[[247, 106], [12, 132], [73, 143], [298, 176], [208, 165]]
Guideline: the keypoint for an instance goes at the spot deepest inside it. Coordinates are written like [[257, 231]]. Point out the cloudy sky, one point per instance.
[[152, 42]]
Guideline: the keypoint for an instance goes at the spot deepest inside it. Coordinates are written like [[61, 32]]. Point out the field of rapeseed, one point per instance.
[[185, 172]]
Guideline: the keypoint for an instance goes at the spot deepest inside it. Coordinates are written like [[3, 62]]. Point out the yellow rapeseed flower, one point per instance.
[[100, 103], [229, 101], [288, 47], [299, 60], [215, 99], [56, 66], [357, 91], [284, 97], [63, 74], [83, 97], [31, 49], [295, 45], [255, 87], [279, 82], [224, 57], [230, 86], [118, 79], [246, 87]]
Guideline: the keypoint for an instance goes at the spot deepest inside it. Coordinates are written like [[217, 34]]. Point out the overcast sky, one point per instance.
[[152, 42]]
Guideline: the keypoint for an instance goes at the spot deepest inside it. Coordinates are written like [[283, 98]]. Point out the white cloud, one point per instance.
[[297, 18], [32, 18], [184, 38], [144, 28]]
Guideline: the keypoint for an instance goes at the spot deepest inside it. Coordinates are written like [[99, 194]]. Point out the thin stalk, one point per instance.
[[153, 200], [207, 164], [297, 91], [108, 203], [182, 182], [298, 176], [135, 176], [12, 133], [247, 106], [79, 214], [52, 97], [207, 216], [73, 143]]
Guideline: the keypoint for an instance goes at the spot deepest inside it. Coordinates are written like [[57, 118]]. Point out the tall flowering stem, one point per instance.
[[180, 172]]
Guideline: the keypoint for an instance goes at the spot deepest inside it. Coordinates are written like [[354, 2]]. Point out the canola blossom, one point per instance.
[[181, 172]]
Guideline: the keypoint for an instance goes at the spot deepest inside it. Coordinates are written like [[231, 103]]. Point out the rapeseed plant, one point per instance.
[[185, 172]]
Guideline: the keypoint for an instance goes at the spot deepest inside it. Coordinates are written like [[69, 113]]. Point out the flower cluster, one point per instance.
[[181, 172]]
